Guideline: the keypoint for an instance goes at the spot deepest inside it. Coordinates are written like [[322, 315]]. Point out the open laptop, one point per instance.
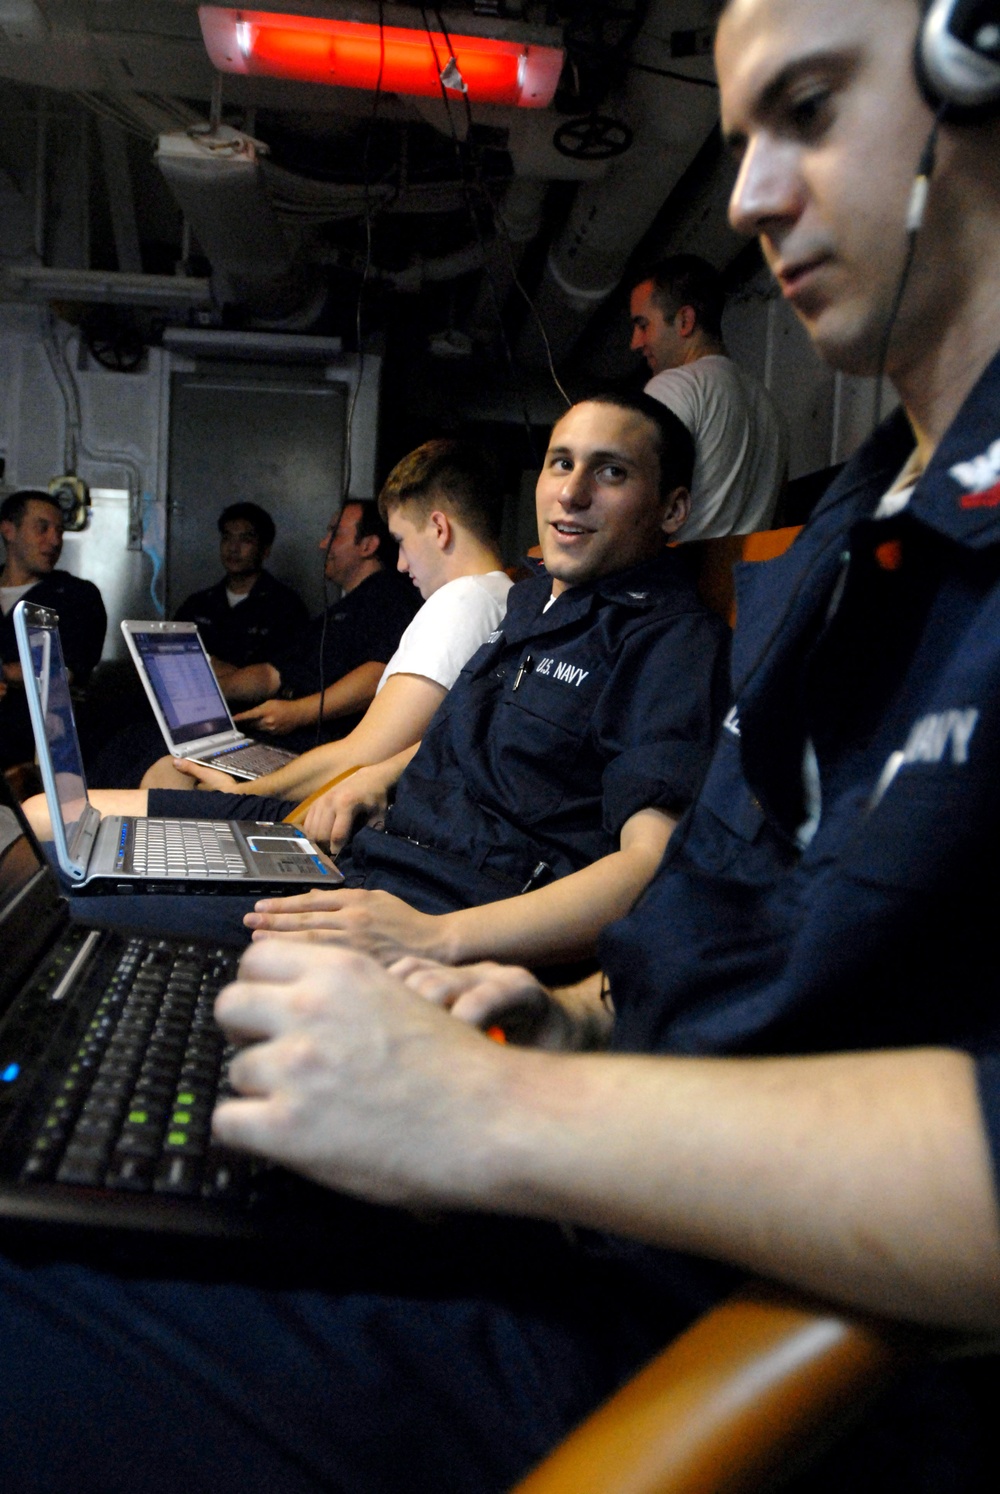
[[110, 1066], [188, 704], [133, 854]]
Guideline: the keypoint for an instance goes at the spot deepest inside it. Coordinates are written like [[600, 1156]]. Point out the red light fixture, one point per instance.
[[350, 54]]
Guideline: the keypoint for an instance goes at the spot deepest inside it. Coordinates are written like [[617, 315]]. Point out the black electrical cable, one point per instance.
[[500, 232], [665, 72], [500, 229], [474, 217], [914, 222], [345, 486]]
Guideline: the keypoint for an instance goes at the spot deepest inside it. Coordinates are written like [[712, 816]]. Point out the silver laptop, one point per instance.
[[130, 853], [188, 704]]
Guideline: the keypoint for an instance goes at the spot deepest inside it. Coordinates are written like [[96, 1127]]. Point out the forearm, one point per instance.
[[352, 693], [345, 697], [865, 1178], [252, 683], [862, 1177], [394, 723], [310, 772], [562, 920], [306, 773]]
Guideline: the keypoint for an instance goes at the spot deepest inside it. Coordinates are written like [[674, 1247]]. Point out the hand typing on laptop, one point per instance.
[[280, 716], [214, 778], [342, 1057]]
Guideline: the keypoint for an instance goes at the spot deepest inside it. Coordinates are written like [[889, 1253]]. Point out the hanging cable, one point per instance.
[[914, 222], [345, 486], [499, 230], [666, 72]]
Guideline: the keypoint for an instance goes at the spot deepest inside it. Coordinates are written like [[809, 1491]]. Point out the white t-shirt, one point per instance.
[[741, 449], [453, 622], [11, 595]]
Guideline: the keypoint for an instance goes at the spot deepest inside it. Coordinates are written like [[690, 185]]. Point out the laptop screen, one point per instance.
[[49, 670], [29, 904], [184, 684], [18, 859]]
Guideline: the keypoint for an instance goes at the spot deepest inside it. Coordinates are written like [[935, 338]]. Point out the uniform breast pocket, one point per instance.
[[726, 793], [723, 833], [932, 830], [545, 755]]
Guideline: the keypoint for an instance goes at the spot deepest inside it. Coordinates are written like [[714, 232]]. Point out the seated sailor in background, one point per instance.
[[32, 529], [248, 616], [358, 636]]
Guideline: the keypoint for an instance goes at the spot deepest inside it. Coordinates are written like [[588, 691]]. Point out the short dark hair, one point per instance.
[[14, 506], [687, 280], [674, 442], [458, 473], [370, 521], [251, 513]]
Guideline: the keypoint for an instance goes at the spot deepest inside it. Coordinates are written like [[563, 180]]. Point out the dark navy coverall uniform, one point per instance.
[[454, 1366], [82, 625], [557, 731], [365, 626], [267, 620]]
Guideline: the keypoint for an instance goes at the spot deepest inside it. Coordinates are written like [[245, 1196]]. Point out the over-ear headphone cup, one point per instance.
[[957, 58]]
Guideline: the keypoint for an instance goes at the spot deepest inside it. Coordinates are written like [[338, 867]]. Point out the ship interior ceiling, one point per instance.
[[447, 265]]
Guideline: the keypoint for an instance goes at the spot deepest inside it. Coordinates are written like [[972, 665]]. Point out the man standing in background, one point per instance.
[[741, 450]]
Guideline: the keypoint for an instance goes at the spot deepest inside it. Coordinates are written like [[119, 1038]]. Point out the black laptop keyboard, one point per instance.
[[134, 1108]]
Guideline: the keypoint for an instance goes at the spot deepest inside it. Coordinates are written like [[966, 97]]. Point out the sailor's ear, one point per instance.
[[676, 510], [686, 320], [444, 529]]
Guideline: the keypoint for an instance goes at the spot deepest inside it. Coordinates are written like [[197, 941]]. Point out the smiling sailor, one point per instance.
[[578, 734]]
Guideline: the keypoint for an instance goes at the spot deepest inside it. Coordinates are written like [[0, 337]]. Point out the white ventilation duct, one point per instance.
[[215, 176], [671, 121], [22, 23]]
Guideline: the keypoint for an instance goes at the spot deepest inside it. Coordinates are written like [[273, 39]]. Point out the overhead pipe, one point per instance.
[[671, 121]]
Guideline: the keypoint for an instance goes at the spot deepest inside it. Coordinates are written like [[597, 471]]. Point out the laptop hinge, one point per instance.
[[84, 834], [213, 744]]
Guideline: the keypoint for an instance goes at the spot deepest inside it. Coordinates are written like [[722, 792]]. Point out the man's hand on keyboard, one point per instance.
[[278, 716], [373, 921], [359, 1084], [213, 778]]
